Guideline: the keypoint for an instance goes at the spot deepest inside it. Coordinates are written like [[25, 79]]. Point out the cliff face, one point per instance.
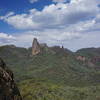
[[35, 47], [8, 88]]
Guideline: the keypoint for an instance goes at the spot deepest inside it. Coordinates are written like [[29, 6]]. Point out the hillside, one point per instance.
[[42, 90], [92, 56], [52, 63], [54, 73], [8, 88]]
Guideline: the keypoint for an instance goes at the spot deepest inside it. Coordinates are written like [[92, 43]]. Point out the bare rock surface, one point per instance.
[[8, 88], [35, 47]]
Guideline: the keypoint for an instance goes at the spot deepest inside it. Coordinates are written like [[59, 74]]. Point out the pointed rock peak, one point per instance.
[[35, 40], [35, 47]]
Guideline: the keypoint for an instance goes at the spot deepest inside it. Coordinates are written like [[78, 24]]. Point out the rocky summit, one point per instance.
[[8, 88], [35, 47]]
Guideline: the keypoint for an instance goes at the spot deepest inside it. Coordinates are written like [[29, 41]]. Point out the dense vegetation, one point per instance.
[[55, 73], [42, 90]]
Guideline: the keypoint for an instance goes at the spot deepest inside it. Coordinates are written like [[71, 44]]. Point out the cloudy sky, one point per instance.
[[74, 24]]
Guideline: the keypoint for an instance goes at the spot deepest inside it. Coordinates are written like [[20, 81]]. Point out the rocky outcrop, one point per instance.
[[8, 88], [35, 47], [81, 58], [95, 60]]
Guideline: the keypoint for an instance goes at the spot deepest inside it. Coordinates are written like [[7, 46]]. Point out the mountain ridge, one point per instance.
[[55, 73], [51, 61]]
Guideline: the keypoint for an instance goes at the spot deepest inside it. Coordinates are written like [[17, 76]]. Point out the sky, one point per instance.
[[75, 24]]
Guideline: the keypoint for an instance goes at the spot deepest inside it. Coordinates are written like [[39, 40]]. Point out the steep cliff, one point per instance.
[[35, 47], [8, 88]]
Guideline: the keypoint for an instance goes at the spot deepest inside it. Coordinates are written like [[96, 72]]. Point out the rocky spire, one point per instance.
[[35, 47]]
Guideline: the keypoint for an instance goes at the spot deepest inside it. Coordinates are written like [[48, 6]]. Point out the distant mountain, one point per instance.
[[91, 55], [55, 64], [89, 52], [54, 73]]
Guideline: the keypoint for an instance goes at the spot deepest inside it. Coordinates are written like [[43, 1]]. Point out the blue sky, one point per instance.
[[72, 23], [18, 6]]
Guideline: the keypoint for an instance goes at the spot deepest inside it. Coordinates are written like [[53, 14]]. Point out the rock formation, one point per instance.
[[35, 47], [95, 60], [8, 88], [81, 58]]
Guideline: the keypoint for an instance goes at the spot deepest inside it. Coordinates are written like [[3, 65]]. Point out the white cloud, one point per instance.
[[6, 39], [54, 16], [56, 1], [60, 23], [32, 1], [71, 41], [6, 36], [59, 1], [53, 37], [6, 16]]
